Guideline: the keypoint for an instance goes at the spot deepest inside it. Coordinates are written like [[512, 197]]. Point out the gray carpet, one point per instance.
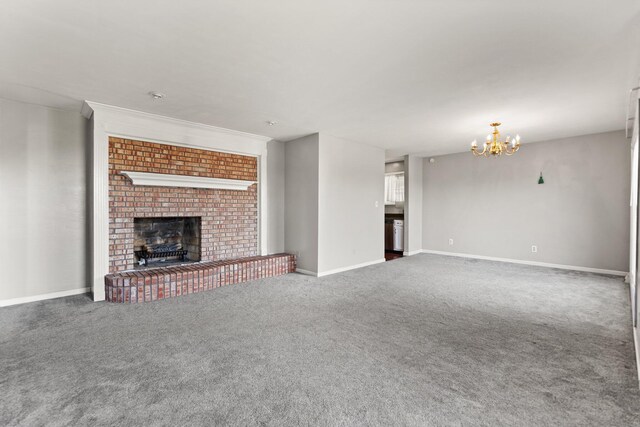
[[425, 340]]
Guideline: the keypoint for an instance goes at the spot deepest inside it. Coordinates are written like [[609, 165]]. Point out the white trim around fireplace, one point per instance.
[[107, 120], [166, 180]]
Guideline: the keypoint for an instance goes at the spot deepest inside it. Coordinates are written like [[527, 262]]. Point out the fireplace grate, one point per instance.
[[144, 255]]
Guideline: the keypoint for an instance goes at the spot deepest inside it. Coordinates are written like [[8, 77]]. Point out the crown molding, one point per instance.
[[90, 107]]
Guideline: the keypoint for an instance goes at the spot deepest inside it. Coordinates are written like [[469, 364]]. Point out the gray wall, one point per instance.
[[275, 196], [495, 207], [351, 226], [301, 200], [42, 200]]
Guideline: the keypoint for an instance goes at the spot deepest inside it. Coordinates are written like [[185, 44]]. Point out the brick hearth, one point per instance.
[[168, 282]]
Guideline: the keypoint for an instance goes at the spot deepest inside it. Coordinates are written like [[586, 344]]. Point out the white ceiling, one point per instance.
[[407, 75]]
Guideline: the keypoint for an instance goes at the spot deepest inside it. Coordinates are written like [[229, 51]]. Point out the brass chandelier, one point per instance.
[[493, 146]]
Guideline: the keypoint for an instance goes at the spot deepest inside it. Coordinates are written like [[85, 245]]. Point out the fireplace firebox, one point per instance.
[[166, 240]]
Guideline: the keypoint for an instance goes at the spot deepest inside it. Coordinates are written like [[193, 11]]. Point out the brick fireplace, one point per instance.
[[228, 218], [164, 147], [167, 236]]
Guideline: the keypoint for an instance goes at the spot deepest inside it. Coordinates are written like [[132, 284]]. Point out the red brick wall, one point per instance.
[[229, 218]]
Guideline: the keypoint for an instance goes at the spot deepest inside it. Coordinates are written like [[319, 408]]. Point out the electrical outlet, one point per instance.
[[376, 204], [450, 242], [534, 249]]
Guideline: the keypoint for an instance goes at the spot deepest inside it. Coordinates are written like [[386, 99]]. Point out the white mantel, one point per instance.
[[118, 122], [186, 181]]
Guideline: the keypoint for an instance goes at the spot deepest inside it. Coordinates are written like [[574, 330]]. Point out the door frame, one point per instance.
[[633, 231]]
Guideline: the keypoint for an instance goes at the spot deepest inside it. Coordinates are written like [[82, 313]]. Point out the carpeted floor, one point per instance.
[[423, 340]]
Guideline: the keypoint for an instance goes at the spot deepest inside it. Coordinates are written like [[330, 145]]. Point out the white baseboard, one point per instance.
[[306, 272], [338, 270], [636, 344], [419, 251], [536, 263], [34, 298], [351, 267]]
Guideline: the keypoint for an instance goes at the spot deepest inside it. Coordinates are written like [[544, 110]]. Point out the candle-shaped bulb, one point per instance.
[[518, 138], [488, 137], [474, 144]]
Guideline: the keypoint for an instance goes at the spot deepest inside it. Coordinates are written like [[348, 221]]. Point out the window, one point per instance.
[[393, 188]]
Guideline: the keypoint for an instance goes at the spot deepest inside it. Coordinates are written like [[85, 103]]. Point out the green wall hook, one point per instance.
[[541, 179]]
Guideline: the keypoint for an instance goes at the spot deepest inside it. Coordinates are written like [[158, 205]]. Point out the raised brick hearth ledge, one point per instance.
[[168, 282]]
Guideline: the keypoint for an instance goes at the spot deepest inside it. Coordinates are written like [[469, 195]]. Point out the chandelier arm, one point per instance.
[[511, 149], [479, 153]]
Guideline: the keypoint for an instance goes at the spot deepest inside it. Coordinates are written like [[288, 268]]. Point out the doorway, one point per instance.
[[394, 202]]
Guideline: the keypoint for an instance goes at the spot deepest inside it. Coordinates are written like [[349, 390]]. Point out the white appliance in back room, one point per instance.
[[398, 235]]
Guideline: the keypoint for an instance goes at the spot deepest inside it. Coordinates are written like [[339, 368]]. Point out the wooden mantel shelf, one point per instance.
[[166, 180]]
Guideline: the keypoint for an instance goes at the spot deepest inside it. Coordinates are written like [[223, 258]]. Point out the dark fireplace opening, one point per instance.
[[166, 240]]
